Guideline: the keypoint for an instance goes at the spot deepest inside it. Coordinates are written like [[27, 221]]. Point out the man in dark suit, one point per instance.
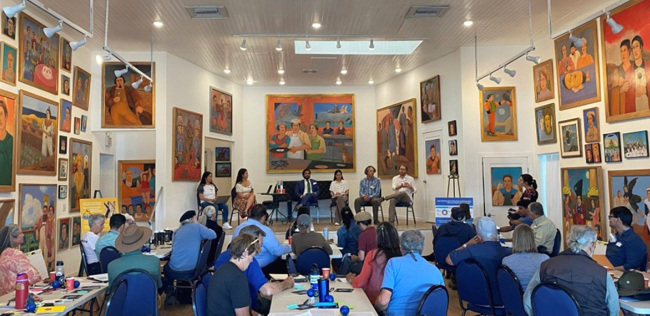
[[307, 189]]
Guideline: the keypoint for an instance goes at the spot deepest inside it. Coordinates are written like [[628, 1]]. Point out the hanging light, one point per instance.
[[158, 24], [497, 80], [278, 46], [50, 31], [282, 83], [137, 84], [227, 70], [533, 59], [372, 44], [338, 42], [398, 69], [121, 72], [479, 86], [576, 41], [280, 71], [307, 45], [249, 81], [75, 45], [243, 44], [509, 71], [338, 81], [371, 81], [11, 11], [344, 71], [616, 28]]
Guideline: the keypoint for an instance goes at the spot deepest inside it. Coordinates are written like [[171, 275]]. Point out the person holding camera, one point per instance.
[[519, 216]]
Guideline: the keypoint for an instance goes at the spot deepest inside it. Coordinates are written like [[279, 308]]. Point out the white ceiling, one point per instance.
[[211, 45]]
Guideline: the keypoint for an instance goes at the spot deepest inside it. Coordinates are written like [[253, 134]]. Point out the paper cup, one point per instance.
[[69, 283], [52, 276], [326, 273]]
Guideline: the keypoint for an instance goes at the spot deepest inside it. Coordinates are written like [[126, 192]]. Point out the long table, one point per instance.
[[627, 303]]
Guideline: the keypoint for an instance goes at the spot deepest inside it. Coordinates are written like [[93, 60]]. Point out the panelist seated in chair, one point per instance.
[[306, 238], [369, 192], [404, 188], [306, 190], [186, 247], [207, 195]]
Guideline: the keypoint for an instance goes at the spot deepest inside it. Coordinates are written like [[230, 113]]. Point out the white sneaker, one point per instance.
[[336, 224], [226, 226]]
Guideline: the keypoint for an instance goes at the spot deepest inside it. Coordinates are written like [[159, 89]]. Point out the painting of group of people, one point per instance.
[[188, 145], [39, 58], [632, 190], [397, 138], [37, 219], [38, 126], [220, 112], [137, 183], [498, 114], [582, 196]]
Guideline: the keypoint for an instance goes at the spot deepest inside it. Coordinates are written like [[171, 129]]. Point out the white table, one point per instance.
[[635, 306]]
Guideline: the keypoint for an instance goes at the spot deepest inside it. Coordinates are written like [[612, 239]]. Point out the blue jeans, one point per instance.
[[223, 207]]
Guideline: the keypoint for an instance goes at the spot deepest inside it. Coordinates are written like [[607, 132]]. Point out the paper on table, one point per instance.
[[36, 259], [100, 277]]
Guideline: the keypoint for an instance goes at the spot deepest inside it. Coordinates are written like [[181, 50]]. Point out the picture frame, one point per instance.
[[595, 151], [220, 111], [37, 134], [631, 185], [401, 116], [84, 122], [612, 147], [63, 191], [9, 67], [223, 170], [80, 172], [81, 88], [544, 81], [453, 147], [588, 155], [571, 143], [42, 72], [187, 144], [7, 212], [66, 55], [222, 154], [136, 187], [63, 229], [65, 85], [635, 144], [65, 113], [63, 169], [9, 26], [453, 168], [434, 160], [591, 125], [9, 106], [37, 210], [121, 115], [77, 125], [580, 187], [545, 124], [500, 124], [452, 128], [430, 99], [504, 186], [76, 231], [63, 145]]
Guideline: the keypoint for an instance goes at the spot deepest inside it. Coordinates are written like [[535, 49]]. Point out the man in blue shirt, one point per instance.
[[116, 222], [369, 194], [407, 278], [186, 247], [521, 216], [626, 250], [306, 190]]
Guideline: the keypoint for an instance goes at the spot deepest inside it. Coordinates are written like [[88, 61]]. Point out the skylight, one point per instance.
[[357, 47]]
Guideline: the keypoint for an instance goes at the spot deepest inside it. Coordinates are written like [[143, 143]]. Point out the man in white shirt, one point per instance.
[[89, 242], [404, 188]]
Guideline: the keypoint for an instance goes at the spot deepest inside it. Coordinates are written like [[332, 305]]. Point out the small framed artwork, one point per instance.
[[220, 112], [545, 123], [592, 125], [571, 145], [77, 125], [453, 148], [84, 123], [81, 95], [543, 80], [66, 55], [223, 169], [588, 156], [8, 26], [453, 167], [9, 67], [612, 147], [63, 169], [64, 233], [222, 154], [65, 114], [433, 161], [595, 152], [63, 192], [76, 230], [430, 99], [63, 145], [452, 128], [635, 144], [65, 85]]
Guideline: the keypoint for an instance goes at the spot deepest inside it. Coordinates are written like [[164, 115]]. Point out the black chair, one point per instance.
[[201, 266], [220, 244], [233, 195], [107, 255], [644, 266], [313, 255], [557, 243], [511, 291], [442, 246], [564, 303], [200, 293], [369, 204], [408, 206], [474, 288], [135, 294], [83, 265], [434, 302]]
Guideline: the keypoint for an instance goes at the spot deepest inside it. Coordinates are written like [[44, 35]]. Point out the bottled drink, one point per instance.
[[60, 275], [22, 290], [326, 233], [314, 276]]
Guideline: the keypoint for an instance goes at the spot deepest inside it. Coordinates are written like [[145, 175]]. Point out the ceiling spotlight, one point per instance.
[[136, 84], [338, 42], [107, 57], [158, 24], [227, 70], [50, 31], [533, 59], [468, 23], [338, 82], [282, 82], [371, 81], [121, 72], [280, 71], [616, 28], [479, 86], [497, 80], [249, 81], [398, 70], [344, 71], [147, 88], [372, 44], [11, 11], [243, 44], [316, 25], [307, 46], [278, 46], [509, 71], [75, 45], [576, 41]]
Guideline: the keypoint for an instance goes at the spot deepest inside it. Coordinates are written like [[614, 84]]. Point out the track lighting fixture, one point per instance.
[[497, 80], [479, 86], [338, 42], [77, 44], [148, 88], [307, 45], [616, 28], [121, 72], [533, 59], [510, 72], [11, 11], [137, 84], [243, 44], [50, 31], [372, 44], [576, 41]]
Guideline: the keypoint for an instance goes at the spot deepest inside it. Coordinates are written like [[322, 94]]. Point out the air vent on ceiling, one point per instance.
[[426, 11], [207, 12], [309, 71]]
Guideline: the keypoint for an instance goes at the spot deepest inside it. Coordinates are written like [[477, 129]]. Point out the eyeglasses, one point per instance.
[[610, 216], [253, 242]]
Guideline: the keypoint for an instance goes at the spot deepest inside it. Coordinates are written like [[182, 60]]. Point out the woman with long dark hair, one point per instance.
[[340, 191], [348, 234], [207, 195], [245, 198], [528, 187]]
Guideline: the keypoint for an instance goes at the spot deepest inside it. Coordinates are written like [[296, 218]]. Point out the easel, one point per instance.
[[455, 181]]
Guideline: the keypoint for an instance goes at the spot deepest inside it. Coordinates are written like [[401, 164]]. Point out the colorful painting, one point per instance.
[[39, 59], [545, 124], [137, 184], [37, 219], [7, 211], [505, 186], [571, 145], [125, 106], [81, 154], [310, 131], [84, 122], [453, 147], [635, 144], [582, 196], [188, 145], [63, 192], [9, 70], [64, 233], [222, 154], [453, 168], [63, 169], [433, 159], [631, 188], [397, 139], [624, 59], [63, 145], [65, 113], [223, 170], [77, 125], [220, 112], [65, 85], [592, 153], [8, 143], [8, 26], [430, 99], [612, 147], [76, 231], [543, 80], [66, 55], [452, 128], [37, 135], [81, 95], [591, 125], [498, 114]]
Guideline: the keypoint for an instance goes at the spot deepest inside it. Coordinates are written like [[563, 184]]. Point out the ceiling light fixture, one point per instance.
[[137, 84], [371, 81], [576, 41], [50, 31], [338, 81], [121, 72], [11, 11], [497, 80], [77, 44], [307, 45], [148, 88], [398, 69], [227, 70], [468, 23], [282, 82], [316, 25], [158, 24], [479, 86], [243, 44], [278, 46], [616, 28], [249, 81], [280, 71], [338, 42], [344, 71], [510, 72], [533, 59], [372, 44]]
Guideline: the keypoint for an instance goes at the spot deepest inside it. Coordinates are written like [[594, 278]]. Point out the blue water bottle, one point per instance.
[[313, 276], [323, 289]]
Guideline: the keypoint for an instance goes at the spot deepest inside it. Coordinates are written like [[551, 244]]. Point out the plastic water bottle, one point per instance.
[[59, 275], [314, 275], [326, 233]]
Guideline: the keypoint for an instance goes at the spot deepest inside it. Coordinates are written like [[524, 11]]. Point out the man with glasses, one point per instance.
[[625, 250]]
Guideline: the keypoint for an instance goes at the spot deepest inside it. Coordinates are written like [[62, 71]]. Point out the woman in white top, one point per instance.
[[245, 198], [340, 191]]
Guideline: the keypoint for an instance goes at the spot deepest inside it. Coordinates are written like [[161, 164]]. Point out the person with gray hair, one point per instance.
[[399, 297], [12, 260], [595, 292], [89, 242], [544, 228], [306, 238]]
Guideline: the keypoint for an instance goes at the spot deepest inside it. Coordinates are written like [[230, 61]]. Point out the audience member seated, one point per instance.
[[407, 278], [207, 192], [625, 250], [544, 228], [186, 247], [270, 257], [404, 188], [294, 227], [245, 198], [306, 239], [468, 214], [588, 281], [211, 223], [228, 290], [524, 260], [348, 234], [367, 242], [116, 223], [369, 192], [455, 228], [257, 282], [520, 216], [372, 272], [306, 190], [12, 260], [340, 192], [89, 242]]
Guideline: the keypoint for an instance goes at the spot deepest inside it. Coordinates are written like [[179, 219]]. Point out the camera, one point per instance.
[[513, 215]]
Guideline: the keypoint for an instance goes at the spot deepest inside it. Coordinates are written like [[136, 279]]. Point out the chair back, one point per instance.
[[202, 262], [233, 195], [473, 284], [511, 291], [291, 266], [139, 298], [557, 243], [564, 303], [220, 244], [83, 268], [644, 264], [442, 246], [434, 302], [200, 293], [107, 255], [117, 300], [313, 255]]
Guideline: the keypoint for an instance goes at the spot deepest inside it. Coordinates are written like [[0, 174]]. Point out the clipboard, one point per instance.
[[36, 259]]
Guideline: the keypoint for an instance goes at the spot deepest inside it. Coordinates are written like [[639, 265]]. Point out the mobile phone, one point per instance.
[[344, 290]]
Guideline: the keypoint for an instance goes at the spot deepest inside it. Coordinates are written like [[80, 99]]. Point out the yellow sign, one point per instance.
[[104, 206]]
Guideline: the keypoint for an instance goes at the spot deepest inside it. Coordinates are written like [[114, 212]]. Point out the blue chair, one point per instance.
[[219, 247], [557, 243], [369, 204], [408, 206], [434, 302], [443, 245], [564, 303], [511, 291], [474, 288], [313, 255], [107, 255], [135, 294], [201, 266], [200, 293]]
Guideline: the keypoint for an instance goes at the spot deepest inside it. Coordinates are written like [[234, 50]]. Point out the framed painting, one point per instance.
[[76, 231], [397, 139], [9, 69], [545, 124], [595, 152], [453, 168], [84, 123], [635, 144], [64, 233], [321, 126], [223, 170], [8, 127], [63, 192], [63, 145], [7, 211], [631, 189], [37, 135], [430, 99], [433, 160], [582, 197], [65, 113], [77, 125], [543, 80], [137, 184], [9, 26], [37, 219], [453, 147], [65, 85], [124, 106], [498, 114], [577, 68], [63, 169], [80, 178], [612, 147], [505, 186], [66, 55], [222, 153], [220, 112], [38, 63], [187, 144], [591, 125], [81, 95], [452, 128], [571, 145]]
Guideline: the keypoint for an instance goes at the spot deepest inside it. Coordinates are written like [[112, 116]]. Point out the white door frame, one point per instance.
[[482, 156]]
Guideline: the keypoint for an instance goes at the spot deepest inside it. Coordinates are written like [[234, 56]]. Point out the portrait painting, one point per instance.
[[582, 198], [543, 80], [397, 139], [430, 99], [137, 184], [187, 144], [571, 144], [8, 113], [314, 131], [223, 170], [84, 122], [37, 135], [453, 168], [7, 211], [627, 72], [220, 112], [63, 192], [434, 159], [9, 68], [222, 154], [591, 125], [452, 128], [63, 169], [65, 113], [8, 26], [498, 114], [65, 85], [595, 152], [631, 189], [63, 145], [635, 144], [37, 219], [126, 106], [453, 147], [76, 231], [66, 55], [77, 125], [545, 124], [577, 67], [81, 154], [64, 233], [612, 147], [589, 158], [38, 64], [505, 186], [81, 95]]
